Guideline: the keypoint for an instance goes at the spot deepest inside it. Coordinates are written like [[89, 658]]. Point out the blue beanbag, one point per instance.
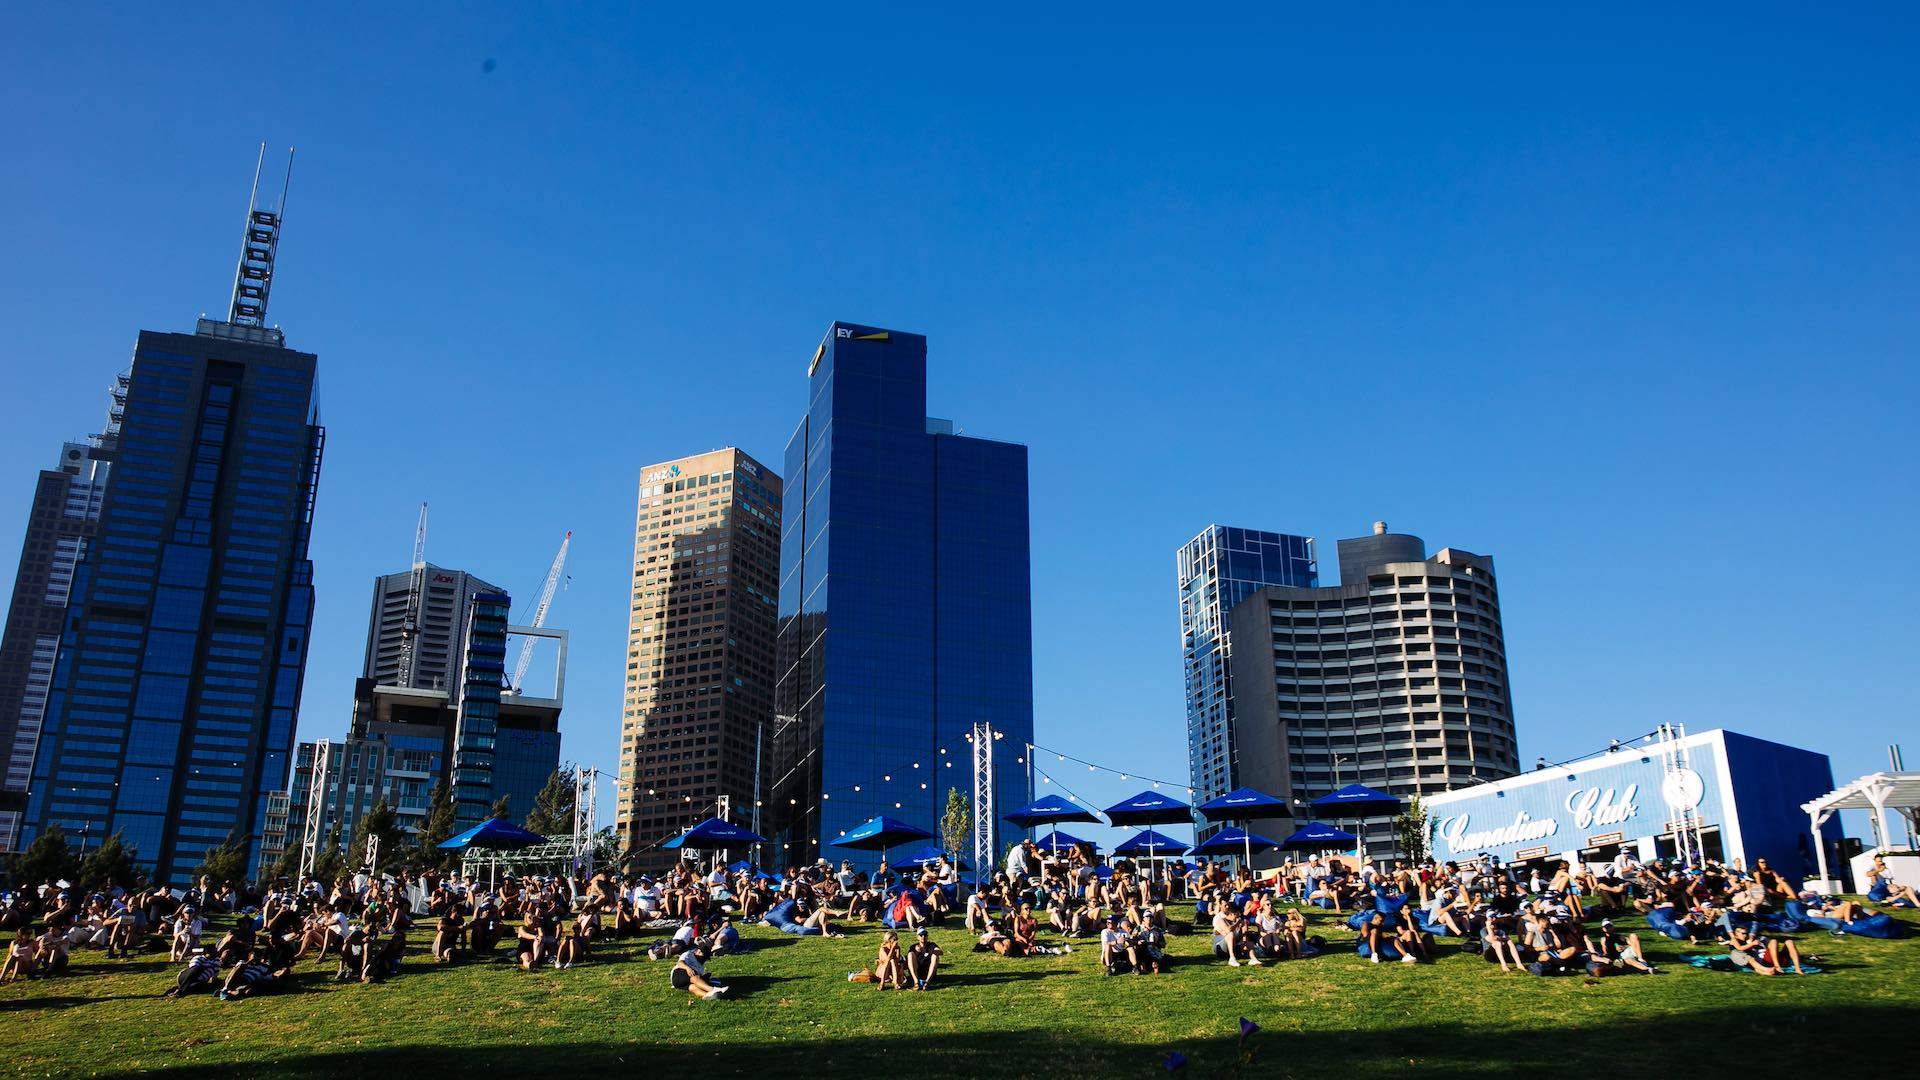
[[1797, 911], [1388, 951], [1661, 919], [1874, 926], [781, 917]]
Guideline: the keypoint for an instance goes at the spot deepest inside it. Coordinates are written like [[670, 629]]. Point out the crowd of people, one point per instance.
[[1542, 918]]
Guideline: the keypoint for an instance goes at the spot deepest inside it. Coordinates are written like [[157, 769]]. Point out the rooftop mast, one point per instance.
[[253, 277]]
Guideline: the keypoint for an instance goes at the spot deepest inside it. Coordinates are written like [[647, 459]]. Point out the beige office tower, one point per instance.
[[699, 685]]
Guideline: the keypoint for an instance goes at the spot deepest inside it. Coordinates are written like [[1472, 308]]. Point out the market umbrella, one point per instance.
[[879, 834], [1229, 840], [1149, 808], [1151, 844], [925, 854], [1058, 842], [1051, 810], [1356, 801], [714, 834], [1242, 804], [495, 834], [1315, 835]]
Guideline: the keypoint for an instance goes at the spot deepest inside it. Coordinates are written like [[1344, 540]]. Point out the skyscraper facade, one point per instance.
[[1396, 678], [66, 507], [1214, 571], [172, 708], [446, 601], [905, 602], [699, 681]]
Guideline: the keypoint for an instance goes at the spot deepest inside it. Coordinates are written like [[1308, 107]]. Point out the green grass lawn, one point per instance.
[[793, 1010]]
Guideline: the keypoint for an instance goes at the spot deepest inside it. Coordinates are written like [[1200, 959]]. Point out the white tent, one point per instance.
[[1878, 792]]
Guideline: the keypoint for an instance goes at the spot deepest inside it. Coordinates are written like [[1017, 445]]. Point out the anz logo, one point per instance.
[[671, 472]]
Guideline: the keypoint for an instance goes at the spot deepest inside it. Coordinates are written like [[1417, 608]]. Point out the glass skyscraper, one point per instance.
[[905, 610], [172, 708], [1216, 570]]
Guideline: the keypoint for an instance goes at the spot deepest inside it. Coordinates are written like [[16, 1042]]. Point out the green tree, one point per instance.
[[286, 865], [552, 813], [499, 812], [956, 825], [437, 829], [329, 864], [382, 824], [109, 864], [226, 863], [49, 858], [1410, 830]]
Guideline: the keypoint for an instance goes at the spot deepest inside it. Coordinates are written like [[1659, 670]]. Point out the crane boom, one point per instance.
[[416, 600], [540, 612]]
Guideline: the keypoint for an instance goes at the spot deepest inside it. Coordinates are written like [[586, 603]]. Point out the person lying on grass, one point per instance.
[[201, 973], [690, 974], [1765, 955], [997, 939], [256, 975]]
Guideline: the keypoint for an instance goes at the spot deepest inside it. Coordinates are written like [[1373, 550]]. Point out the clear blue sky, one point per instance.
[[1629, 304]]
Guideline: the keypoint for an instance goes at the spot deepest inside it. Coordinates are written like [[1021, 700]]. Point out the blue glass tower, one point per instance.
[[171, 714], [1216, 570], [905, 608]]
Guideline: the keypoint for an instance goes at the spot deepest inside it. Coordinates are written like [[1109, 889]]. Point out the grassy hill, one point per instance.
[[793, 1012]]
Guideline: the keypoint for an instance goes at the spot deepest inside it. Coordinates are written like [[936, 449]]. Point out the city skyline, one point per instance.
[[1731, 376]]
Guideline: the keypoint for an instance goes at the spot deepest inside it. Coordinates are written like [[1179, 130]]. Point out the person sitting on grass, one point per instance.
[[187, 926], [23, 955], [1882, 889], [1610, 950], [447, 933], [815, 915], [1232, 937], [908, 909], [1748, 949], [572, 945], [1412, 943], [534, 945], [923, 959], [889, 966], [690, 974], [384, 957], [997, 939], [201, 973]]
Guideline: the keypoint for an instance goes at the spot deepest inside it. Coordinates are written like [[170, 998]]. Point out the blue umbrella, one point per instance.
[[496, 834], [925, 854], [1315, 835], [879, 834], [1243, 804], [1149, 808], [1151, 844], [1240, 804], [715, 835], [1051, 810], [1358, 801], [1057, 842], [1228, 841]]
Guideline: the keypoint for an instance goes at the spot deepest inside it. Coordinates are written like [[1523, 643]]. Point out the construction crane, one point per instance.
[[540, 613], [416, 599]]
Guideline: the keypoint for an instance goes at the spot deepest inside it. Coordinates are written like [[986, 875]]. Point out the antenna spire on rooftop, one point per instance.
[[253, 277]]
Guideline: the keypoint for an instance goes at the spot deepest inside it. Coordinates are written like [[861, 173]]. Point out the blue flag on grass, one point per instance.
[[1175, 1061], [1247, 1027]]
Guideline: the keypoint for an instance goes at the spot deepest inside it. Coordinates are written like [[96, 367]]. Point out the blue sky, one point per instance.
[[1627, 303]]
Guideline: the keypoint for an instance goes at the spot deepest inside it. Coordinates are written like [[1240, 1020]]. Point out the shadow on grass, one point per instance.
[[1832, 1039], [25, 1004]]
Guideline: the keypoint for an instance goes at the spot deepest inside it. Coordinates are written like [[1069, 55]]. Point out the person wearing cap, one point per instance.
[[187, 926], [1614, 951], [923, 959]]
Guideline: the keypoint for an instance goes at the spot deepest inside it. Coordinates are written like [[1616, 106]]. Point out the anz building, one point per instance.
[[905, 611]]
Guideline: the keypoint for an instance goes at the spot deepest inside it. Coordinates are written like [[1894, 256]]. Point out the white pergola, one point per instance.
[[1878, 792]]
